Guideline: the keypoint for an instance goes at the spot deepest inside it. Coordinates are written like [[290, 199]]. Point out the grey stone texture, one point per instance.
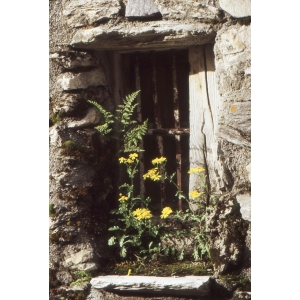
[[140, 8], [187, 286], [156, 34], [70, 81], [237, 8], [79, 13]]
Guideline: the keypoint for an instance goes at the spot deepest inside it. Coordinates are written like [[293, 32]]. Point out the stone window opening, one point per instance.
[[170, 98]]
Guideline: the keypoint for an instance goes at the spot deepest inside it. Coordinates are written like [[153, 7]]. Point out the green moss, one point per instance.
[[81, 278], [157, 268], [51, 210], [235, 282], [72, 145], [71, 148], [55, 118]]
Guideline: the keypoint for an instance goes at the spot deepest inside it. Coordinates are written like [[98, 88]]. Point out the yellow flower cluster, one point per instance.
[[123, 198], [159, 160], [196, 170], [142, 213], [165, 212], [133, 156], [195, 194], [153, 174], [130, 160]]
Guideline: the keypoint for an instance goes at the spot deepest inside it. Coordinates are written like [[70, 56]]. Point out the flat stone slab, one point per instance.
[[188, 285], [149, 35]]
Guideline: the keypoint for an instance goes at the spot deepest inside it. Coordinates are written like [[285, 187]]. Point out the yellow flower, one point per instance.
[[123, 198], [130, 161], [122, 160], [158, 160], [196, 170], [133, 156], [153, 174], [165, 212], [195, 194], [142, 213]]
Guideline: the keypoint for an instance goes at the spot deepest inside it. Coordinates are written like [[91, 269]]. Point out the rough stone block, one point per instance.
[[245, 203], [143, 35], [237, 8], [92, 118], [140, 8], [74, 59], [187, 286], [69, 81], [183, 9], [87, 12], [79, 257]]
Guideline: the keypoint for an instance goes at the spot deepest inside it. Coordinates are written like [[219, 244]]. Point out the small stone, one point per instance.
[[92, 118], [69, 81], [140, 8], [237, 8]]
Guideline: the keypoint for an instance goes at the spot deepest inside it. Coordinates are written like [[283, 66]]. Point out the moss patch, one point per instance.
[[157, 268]]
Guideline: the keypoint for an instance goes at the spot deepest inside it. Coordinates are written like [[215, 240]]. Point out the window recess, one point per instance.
[[174, 93]]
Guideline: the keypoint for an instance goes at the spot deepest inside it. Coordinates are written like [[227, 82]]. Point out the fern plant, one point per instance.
[[121, 126]]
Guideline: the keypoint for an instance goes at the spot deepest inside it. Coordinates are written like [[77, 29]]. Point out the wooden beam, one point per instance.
[[197, 90]]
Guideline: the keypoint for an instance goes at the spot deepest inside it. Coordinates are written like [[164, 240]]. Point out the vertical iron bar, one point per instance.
[[177, 125], [139, 118], [157, 117]]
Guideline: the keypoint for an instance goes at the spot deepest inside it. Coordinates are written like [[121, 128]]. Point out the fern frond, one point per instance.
[[126, 110], [133, 136], [108, 119]]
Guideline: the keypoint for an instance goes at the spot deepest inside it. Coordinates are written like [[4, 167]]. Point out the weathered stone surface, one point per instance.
[[79, 257], [245, 202], [227, 233], [64, 277], [74, 59], [96, 294], [182, 9], [237, 8], [189, 285], [145, 35], [233, 60], [70, 81], [92, 118], [140, 8], [241, 295], [79, 13], [248, 168]]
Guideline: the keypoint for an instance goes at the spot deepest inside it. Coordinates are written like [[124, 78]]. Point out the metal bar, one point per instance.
[[178, 167], [157, 118], [177, 126], [168, 131], [175, 91], [139, 118]]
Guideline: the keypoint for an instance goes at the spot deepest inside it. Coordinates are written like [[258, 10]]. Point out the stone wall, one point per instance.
[[83, 36]]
